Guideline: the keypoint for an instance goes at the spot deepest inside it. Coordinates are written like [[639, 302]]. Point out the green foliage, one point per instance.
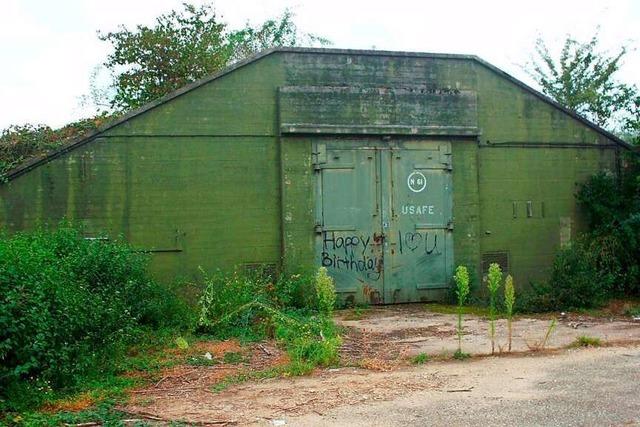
[[605, 262], [311, 339], [584, 80], [280, 31], [575, 282], [181, 343], [252, 306], [509, 302], [105, 411], [587, 341], [461, 278], [226, 308], [420, 359], [325, 291], [184, 46], [68, 308], [461, 355], [633, 312], [494, 278], [19, 143], [612, 207], [509, 296]]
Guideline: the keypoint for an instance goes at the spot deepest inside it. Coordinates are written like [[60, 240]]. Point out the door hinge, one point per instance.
[[319, 156], [450, 225]]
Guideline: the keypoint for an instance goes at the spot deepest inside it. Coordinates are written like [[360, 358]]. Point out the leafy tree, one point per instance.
[[631, 122], [583, 79], [184, 46], [273, 32]]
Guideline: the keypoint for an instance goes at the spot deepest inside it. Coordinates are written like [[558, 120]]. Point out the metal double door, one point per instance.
[[384, 218]]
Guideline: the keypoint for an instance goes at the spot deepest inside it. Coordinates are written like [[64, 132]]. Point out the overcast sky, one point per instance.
[[48, 49]]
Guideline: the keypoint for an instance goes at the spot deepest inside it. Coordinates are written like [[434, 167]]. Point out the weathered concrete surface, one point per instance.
[[575, 387], [418, 330]]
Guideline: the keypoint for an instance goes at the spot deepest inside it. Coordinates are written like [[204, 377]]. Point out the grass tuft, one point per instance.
[[587, 341], [420, 359]]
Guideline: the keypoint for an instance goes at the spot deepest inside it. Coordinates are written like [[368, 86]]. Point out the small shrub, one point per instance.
[[308, 339], [586, 341], [181, 343], [461, 355], [461, 278], [325, 291], [575, 283], [493, 283], [420, 359], [227, 306], [296, 290]]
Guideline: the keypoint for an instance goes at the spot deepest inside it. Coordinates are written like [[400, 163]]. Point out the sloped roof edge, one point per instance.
[[37, 161]]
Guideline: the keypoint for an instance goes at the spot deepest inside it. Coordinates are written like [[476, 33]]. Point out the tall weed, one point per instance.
[[494, 278], [461, 278]]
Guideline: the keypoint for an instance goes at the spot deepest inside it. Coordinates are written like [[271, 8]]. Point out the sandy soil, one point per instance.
[[411, 329], [379, 386]]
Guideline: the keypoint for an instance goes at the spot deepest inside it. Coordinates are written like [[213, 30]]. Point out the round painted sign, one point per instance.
[[416, 181]]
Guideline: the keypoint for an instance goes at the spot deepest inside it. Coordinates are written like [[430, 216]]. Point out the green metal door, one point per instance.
[[383, 218], [349, 239], [418, 250]]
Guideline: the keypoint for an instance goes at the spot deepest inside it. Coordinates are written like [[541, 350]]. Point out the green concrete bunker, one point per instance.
[[388, 168]]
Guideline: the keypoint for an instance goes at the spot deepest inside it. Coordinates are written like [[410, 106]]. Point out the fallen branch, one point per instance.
[[89, 424], [265, 350], [460, 390]]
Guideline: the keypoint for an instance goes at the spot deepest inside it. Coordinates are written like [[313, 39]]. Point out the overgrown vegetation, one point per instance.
[[583, 78], [69, 307], [76, 313], [494, 278], [20, 143], [461, 279], [295, 309], [603, 263]]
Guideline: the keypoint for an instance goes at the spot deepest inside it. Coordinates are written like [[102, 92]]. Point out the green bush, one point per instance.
[[612, 206], [226, 304], [603, 263], [576, 282], [325, 291], [253, 306], [68, 308]]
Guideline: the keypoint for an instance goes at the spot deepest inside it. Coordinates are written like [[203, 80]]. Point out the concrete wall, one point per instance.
[[206, 179]]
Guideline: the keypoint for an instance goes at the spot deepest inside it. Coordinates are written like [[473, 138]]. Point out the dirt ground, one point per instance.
[[412, 329], [378, 380]]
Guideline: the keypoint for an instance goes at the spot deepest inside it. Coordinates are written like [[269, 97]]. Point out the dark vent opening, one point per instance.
[[501, 258]]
